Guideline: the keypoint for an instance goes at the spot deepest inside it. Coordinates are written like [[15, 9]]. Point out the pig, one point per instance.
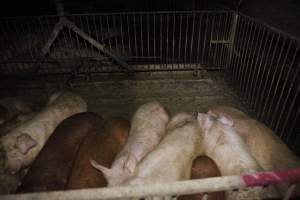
[[172, 159], [204, 167], [102, 146], [231, 154], [148, 126], [11, 107], [22, 144], [267, 148], [52, 167]]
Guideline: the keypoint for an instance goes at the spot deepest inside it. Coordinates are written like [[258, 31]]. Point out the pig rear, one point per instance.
[[172, 159], [224, 145], [147, 129], [266, 147], [102, 146]]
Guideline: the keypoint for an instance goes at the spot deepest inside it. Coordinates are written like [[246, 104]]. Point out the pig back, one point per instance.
[[51, 168], [101, 146], [204, 167]]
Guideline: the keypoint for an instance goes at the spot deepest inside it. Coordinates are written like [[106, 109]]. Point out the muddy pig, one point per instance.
[[172, 159], [147, 129], [11, 107], [267, 148], [204, 167], [102, 146], [231, 154], [22, 144], [53, 165]]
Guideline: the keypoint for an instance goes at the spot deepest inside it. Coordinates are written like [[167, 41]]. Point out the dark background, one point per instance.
[[282, 14]]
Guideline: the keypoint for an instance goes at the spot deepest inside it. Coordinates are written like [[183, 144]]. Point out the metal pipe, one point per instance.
[[168, 189]]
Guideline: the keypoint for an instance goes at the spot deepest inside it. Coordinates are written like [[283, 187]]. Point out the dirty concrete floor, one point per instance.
[[118, 95]]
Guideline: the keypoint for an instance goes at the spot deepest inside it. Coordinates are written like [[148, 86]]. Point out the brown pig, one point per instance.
[[204, 167], [147, 129], [267, 148], [22, 144], [52, 167], [102, 146]]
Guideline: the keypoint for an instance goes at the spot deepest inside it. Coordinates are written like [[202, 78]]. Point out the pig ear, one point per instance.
[[225, 120], [205, 121], [130, 163], [106, 171], [25, 143]]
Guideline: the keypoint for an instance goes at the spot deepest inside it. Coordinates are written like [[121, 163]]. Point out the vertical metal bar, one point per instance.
[[154, 37], [205, 42], [258, 99], [265, 54], [252, 50], [12, 49], [235, 38], [148, 41], [84, 41], [283, 89], [231, 31], [116, 36], [192, 42], [272, 79], [179, 42], [253, 64], [167, 40], [173, 42], [246, 58], [210, 39], [128, 33], [101, 29], [288, 116], [142, 41], [186, 38], [108, 32], [218, 31], [221, 56], [26, 41], [122, 33], [89, 31], [97, 33], [198, 44], [79, 50], [262, 107], [11, 38], [135, 36], [161, 41], [242, 51], [284, 105], [278, 80]]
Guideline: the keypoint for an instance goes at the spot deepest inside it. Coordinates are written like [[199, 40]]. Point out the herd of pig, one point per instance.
[[65, 147]]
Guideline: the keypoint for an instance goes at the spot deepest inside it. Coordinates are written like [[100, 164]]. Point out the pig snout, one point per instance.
[[15, 154]]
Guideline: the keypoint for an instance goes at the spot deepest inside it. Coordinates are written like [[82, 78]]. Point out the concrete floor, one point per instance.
[[118, 95]]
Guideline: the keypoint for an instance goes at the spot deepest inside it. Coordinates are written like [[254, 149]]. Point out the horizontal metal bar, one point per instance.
[[125, 13], [215, 184], [220, 41]]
